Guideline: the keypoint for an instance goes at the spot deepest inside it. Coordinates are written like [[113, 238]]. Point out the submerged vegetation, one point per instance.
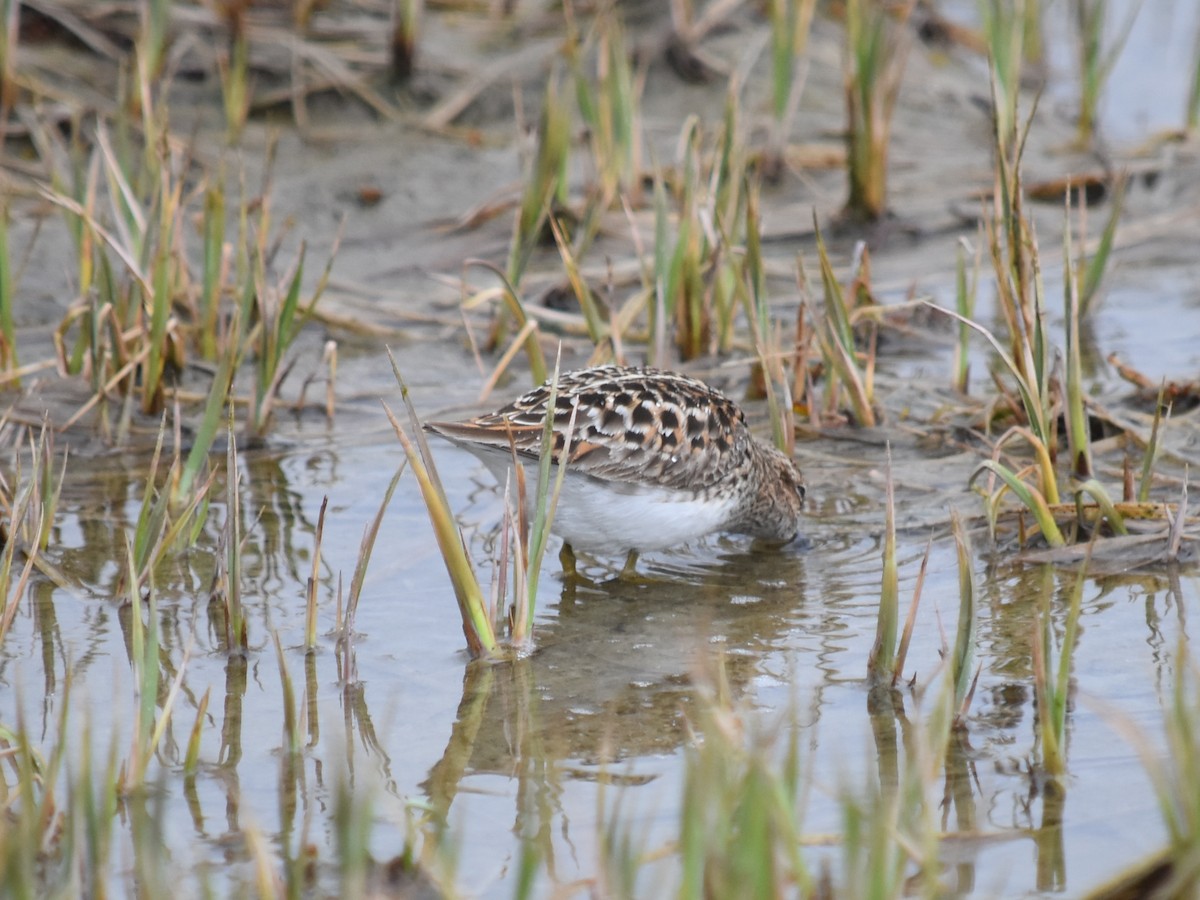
[[193, 299]]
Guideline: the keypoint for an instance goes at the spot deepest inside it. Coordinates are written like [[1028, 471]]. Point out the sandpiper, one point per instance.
[[654, 459]]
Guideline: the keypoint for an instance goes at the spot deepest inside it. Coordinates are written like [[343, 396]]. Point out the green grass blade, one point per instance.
[[1104, 501], [1093, 272], [206, 433], [962, 658], [1152, 446], [1031, 497]]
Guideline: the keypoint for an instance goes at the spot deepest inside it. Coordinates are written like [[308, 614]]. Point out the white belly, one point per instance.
[[597, 517]]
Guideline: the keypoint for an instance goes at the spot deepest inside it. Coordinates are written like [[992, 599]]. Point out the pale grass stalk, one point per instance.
[[310, 606], [881, 662], [191, 757], [477, 623], [910, 620], [546, 503], [963, 656], [513, 307]]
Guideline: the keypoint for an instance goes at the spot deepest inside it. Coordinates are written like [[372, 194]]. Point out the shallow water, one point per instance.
[[523, 748]]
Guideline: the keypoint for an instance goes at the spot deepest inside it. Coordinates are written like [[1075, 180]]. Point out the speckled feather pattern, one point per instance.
[[643, 430]]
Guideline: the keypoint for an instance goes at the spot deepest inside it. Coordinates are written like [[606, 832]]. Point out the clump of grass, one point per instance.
[[279, 319], [791, 21], [127, 329], [1029, 358], [406, 29], [679, 296], [889, 825], [885, 662], [609, 105], [546, 184], [545, 192], [233, 66], [1006, 29], [874, 59], [143, 305], [484, 620], [28, 519], [1095, 61], [740, 818], [768, 340], [846, 374], [597, 329], [8, 332], [186, 478]]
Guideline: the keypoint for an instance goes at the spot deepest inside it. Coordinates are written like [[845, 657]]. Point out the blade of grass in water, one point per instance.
[[910, 620], [545, 504], [11, 599], [370, 533], [236, 632], [192, 757], [963, 656], [1095, 61], [882, 658], [1052, 687], [1078, 431], [477, 623], [310, 614]]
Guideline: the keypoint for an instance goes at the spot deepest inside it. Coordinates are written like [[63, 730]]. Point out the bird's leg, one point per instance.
[[566, 556], [629, 570]]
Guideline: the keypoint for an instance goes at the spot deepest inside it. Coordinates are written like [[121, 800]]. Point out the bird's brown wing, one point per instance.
[[633, 426]]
